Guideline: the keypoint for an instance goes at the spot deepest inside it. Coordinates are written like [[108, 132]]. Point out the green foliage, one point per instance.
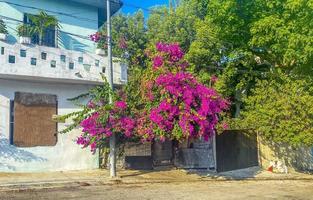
[[284, 29], [41, 22], [222, 47], [24, 30], [172, 27], [243, 43], [3, 27], [130, 29], [243, 40], [281, 110]]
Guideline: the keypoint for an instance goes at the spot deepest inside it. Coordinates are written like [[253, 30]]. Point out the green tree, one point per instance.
[[284, 30], [129, 38], [175, 26], [243, 40], [222, 47], [280, 109]]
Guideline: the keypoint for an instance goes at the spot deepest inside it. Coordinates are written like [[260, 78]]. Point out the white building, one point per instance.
[[36, 81]]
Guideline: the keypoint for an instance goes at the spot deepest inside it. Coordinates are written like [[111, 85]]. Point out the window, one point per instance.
[[11, 59], [97, 63], [33, 61], [71, 65], [63, 58], [23, 53], [2, 50], [31, 120], [43, 56], [53, 63], [80, 60], [49, 38]]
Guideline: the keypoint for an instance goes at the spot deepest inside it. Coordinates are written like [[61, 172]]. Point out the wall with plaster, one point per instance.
[[300, 158], [65, 155]]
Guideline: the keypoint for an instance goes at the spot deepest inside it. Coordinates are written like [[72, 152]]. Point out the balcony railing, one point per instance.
[[33, 62]]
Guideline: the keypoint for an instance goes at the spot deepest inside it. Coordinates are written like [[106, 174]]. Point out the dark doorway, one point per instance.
[[236, 150]]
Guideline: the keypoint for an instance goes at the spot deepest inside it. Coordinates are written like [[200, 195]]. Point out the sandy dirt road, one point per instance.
[[224, 190]]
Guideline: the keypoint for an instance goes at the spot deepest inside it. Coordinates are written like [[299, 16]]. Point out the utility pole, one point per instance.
[[110, 79], [173, 4], [169, 6]]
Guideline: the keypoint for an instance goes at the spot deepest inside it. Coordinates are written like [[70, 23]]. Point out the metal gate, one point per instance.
[[236, 150], [162, 153]]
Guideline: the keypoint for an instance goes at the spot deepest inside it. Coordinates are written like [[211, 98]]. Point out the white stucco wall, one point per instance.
[[88, 70], [66, 155]]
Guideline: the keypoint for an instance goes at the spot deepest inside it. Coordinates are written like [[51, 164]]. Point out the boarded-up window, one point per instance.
[[33, 124]]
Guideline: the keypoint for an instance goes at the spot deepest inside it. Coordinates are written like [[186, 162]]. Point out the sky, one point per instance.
[[130, 5]]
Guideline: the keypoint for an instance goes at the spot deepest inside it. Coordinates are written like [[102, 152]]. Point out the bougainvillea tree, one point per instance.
[[99, 119], [177, 105]]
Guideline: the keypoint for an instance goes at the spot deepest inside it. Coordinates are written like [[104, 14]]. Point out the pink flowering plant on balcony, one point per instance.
[[177, 105], [100, 39]]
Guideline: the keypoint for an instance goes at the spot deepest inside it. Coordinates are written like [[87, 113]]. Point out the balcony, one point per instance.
[[40, 63]]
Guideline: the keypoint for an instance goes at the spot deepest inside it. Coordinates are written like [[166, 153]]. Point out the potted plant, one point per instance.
[[3, 30], [42, 22], [25, 32], [100, 40], [100, 52]]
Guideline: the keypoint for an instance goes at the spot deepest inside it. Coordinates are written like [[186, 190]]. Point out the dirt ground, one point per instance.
[[296, 189]]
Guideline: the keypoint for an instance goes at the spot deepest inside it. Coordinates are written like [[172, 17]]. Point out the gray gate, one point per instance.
[[236, 150], [162, 153]]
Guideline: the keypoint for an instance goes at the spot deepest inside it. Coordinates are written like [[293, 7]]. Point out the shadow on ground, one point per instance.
[[247, 173], [9, 153]]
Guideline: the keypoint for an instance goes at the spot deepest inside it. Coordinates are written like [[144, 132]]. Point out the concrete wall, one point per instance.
[[85, 24], [65, 155], [89, 72], [295, 159]]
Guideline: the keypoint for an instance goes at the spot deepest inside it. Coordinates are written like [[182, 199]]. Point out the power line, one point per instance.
[[65, 32], [87, 38], [82, 18], [19, 21], [50, 11]]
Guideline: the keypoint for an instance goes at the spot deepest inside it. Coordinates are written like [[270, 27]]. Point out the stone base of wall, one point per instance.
[[295, 159]]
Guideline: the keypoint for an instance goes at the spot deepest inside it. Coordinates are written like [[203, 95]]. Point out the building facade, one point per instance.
[[36, 81]]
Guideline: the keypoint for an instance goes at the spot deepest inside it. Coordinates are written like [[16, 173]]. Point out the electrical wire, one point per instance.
[[87, 19], [83, 18], [64, 32]]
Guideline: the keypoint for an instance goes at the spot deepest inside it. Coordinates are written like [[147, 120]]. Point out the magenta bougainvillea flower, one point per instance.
[[122, 43], [96, 37], [181, 106], [157, 62], [95, 131], [121, 105], [177, 105]]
